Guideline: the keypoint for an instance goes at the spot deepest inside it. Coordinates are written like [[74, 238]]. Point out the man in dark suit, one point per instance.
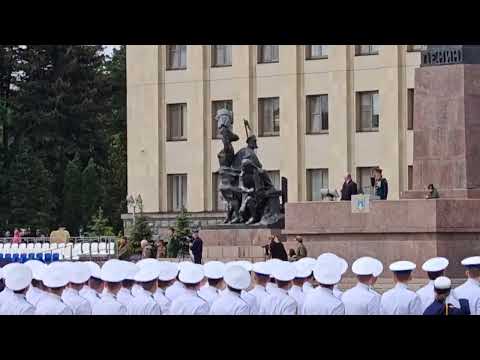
[[197, 248], [349, 188], [440, 306], [381, 184]]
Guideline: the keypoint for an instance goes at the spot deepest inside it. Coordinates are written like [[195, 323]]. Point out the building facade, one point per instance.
[[319, 111]]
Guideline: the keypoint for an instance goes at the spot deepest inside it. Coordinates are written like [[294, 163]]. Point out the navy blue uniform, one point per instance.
[[438, 308]]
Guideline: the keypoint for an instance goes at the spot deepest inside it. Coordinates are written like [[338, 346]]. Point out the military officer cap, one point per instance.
[[435, 264], [272, 263], [472, 262], [182, 264], [55, 276], [302, 269], [5, 269], [328, 271], [364, 266], [247, 265], [214, 269], [148, 272], [37, 268], [284, 272], [191, 274], [442, 283], [402, 266], [95, 269], [78, 272], [148, 261], [261, 268], [18, 277], [130, 270], [237, 277], [167, 271], [334, 259], [378, 267], [113, 271]]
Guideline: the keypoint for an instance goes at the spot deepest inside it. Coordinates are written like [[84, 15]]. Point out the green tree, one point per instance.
[[182, 231], [141, 231], [90, 191], [99, 225], [72, 196]]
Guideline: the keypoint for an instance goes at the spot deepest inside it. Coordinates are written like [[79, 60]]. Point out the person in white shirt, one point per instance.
[[36, 290], [376, 273], [17, 279], [214, 271], [230, 302], [360, 300], [434, 268], [271, 283], [302, 272], [191, 275], [55, 279], [308, 263], [78, 274], [261, 277], [168, 272], [6, 293], [400, 300], [321, 300], [144, 303], [470, 289], [91, 292], [124, 295], [113, 272], [343, 268], [279, 302]]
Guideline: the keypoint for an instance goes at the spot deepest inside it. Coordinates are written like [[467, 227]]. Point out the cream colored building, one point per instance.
[[318, 111]]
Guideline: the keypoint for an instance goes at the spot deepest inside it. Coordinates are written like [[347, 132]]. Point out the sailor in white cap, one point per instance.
[[6, 293], [36, 290], [302, 272], [177, 288], [144, 303], [442, 286], [261, 276], [214, 271], [359, 300], [137, 288], [309, 262], [112, 273], [271, 283], [124, 295], [470, 289], [191, 275], [55, 279], [434, 268], [400, 300], [78, 274], [249, 298], [279, 302], [230, 302], [95, 285], [343, 266], [321, 300], [17, 279], [377, 272], [168, 272]]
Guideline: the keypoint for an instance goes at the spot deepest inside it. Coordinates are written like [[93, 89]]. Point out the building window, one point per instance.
[[176, 122], [217, 105], [221, 55], [365, 178], [176, 57], [368, 111], [316, 52], [410, 109], [410, 177], [412, 48], [269, 116], [317, 180], [219, 204], [177, 192], [317, 114], [366, 50], [274, 175], [267, 54]]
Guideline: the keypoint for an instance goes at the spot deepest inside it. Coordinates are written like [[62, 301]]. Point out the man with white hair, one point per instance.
[[113, 272], [230, 302], [191, 275], [55, 280], [17, 280], [78, 274], [279, 302]]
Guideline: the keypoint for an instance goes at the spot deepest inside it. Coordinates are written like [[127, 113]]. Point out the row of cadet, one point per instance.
[[274, 287]]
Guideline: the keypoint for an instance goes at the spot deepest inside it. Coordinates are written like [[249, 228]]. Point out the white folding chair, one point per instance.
[[86, 248], [38, 246], [45, 246], [94, 248], [7, 247], [76, 251], [102, 248]]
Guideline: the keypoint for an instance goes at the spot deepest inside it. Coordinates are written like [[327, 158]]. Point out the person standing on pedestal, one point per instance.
[[197, 247], [381, 184], [349, 188]]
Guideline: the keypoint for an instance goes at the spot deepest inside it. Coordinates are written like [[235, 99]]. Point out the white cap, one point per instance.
[[309, 261], [442, 283], [471, 261], [402, 266], [261, 268], [274, 261], [364, 266], [247, 265], [130, 269], [18, 277], [55, 276], [167, 271], [435, 264], [37, 268], [148, 272], [214, 269], [79, 272], [113, 271], [181, 264], [284, 272], [191, 274], [237, 277], [148, 261], [378, 267], [94, 269], [302, 269], [342, 263], [326, 275]]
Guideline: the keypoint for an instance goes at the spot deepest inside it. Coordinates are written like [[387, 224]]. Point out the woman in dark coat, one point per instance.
[[277, 250]]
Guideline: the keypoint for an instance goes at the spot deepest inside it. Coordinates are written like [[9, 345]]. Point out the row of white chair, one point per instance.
[[67, 251]]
